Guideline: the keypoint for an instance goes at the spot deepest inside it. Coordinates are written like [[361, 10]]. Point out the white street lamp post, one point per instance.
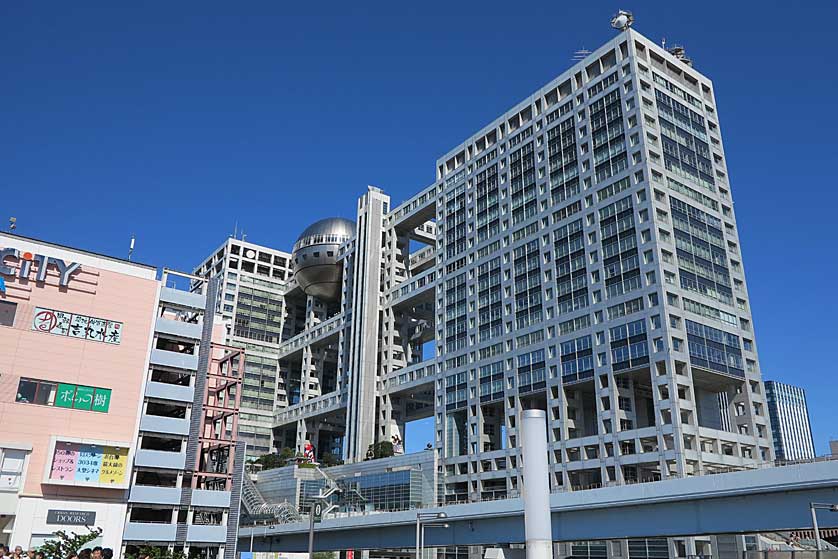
[[813, 508], [422, 517]]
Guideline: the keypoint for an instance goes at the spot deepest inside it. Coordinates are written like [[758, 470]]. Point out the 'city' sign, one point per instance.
[[71, 517], [26, 259]]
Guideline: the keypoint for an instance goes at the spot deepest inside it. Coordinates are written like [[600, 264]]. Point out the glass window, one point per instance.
[[7, 313], [46, 394], [11, 468], [26, 391]]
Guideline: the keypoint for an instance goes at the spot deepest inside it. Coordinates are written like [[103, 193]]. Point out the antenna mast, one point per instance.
[[131, 247]]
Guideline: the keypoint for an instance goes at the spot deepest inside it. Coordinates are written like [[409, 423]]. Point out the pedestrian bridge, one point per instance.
[[763, 500]]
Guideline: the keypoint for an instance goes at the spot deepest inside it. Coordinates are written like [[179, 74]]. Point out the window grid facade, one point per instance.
[[584, 261]]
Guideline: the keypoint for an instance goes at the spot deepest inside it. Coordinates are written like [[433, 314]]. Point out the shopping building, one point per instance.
[[579, 254], [119, 411], [790, 424], [75, 329], [251, 281]]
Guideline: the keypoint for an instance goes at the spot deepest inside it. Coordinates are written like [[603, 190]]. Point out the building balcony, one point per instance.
[[165, 358], [183, 298], [149, 532], [177, 328], [207, 498], [155, 495], [160, 459], [168, 425], [169, 391], [206, 534]]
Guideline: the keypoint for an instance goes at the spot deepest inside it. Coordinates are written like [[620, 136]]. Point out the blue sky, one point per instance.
[[174, 120]]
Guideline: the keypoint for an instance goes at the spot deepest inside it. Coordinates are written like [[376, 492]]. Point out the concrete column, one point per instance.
[[365, 343], [536, 485]]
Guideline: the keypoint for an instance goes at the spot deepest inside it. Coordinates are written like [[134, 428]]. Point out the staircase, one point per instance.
[[252, 500], [256, 506]]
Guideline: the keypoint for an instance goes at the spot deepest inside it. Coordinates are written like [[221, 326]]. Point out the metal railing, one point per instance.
[[795, 554]]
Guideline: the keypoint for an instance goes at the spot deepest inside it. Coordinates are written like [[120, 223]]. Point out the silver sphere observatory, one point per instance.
[[315, 257]]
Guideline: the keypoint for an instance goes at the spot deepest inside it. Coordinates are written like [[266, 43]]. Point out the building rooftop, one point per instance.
[[12, 236]]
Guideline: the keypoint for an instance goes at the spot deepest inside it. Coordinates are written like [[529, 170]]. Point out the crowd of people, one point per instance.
[[86, 553]]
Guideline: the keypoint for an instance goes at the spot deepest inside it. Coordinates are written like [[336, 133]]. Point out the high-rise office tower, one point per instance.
[[250, 296], [579, 254], [790, 425]]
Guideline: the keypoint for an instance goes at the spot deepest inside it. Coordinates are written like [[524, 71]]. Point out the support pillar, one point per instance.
[[536, 485]]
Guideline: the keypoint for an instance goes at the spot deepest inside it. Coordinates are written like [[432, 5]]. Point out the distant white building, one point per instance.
[[790, 421], [251, 281]]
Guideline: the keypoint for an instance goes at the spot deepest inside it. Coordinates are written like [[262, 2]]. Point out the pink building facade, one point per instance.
[[75, 334]]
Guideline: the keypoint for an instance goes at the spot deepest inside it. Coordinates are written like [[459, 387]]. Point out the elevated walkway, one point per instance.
[[762, 500], [326, 331], [326, 404]]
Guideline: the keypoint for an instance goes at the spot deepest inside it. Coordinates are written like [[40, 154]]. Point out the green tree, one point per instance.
[[271, 461], [328, 459], [381, 449], [63, 544]]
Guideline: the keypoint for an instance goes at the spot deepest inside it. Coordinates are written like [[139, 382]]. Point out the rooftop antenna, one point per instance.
[[622, 20], [12, 224], [580, 54], [244, 236], [131, 247], [236, 229], [679, 52], [663, 43]]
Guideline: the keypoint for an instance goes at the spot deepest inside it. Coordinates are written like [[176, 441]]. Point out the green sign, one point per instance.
[[102, 399], [65, 395], [84, 398]]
